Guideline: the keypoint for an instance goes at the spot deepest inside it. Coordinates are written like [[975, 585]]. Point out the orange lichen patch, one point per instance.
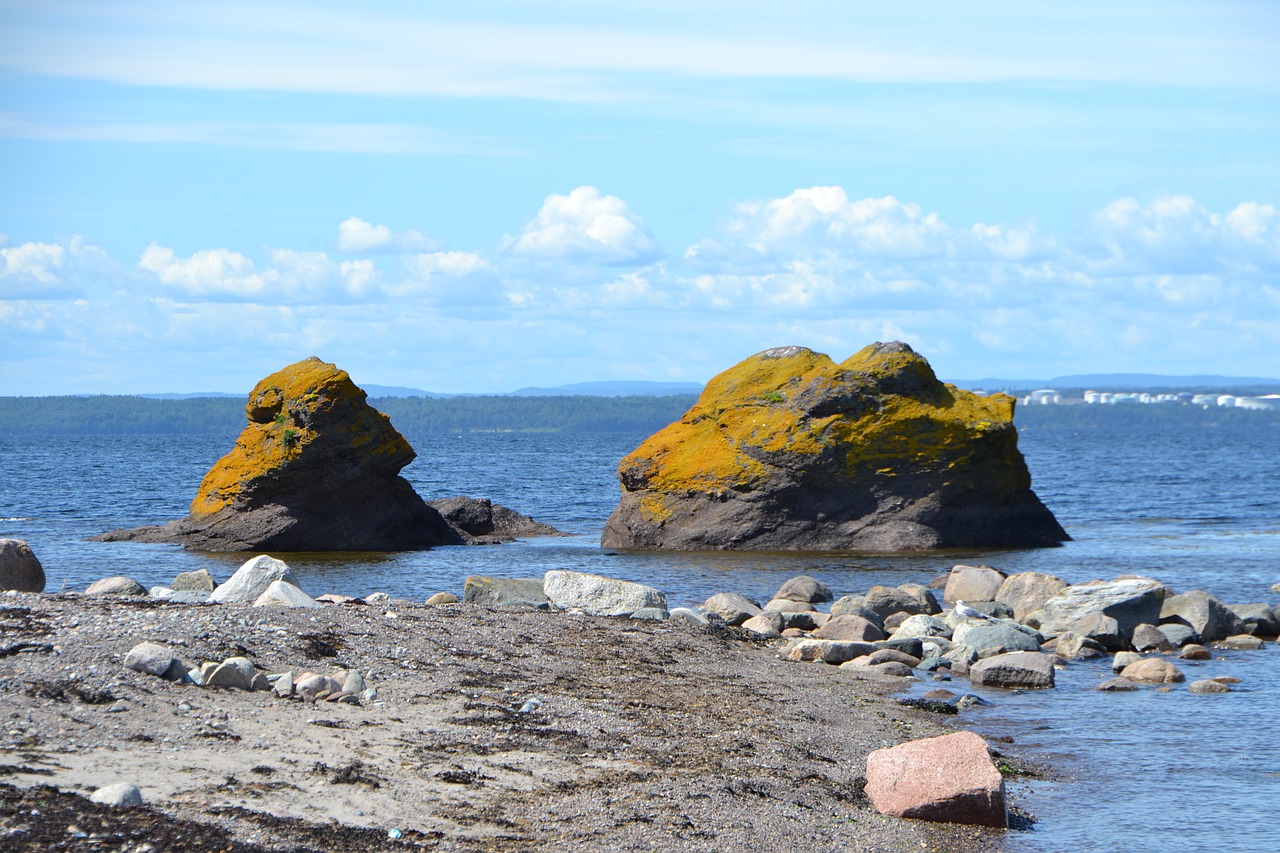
[[691, 457], [655, 508], [878, 360], [287, 412], [753, 413], [760, 377]]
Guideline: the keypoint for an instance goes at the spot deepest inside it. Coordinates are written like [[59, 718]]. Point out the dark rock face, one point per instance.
[[790, 451], [316, 469], [484, 520], [19, 568]]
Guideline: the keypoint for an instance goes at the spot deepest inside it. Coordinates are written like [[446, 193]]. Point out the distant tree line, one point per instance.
[[225, 415]]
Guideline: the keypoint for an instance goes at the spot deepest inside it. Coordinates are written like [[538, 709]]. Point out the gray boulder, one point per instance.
[[251, 580], [806, 589], [504, 592], [1179, 635], [118, 585], [151, 658], [826, 651], [1015, 670], [912, 646], [234, 672], [767, 624], [1203, 613], [1123, 659], [1027, 592], [1119, 684], [854, 605], [284, 594], [199, 580], [921, 625], [733, 607], [887, 600], [1149, 638], [1257, 619], [1127, 601], [19, 568], [119, 794], [1003, 637], [599, 596], [849, 628], [1207, 685], [973, 583], [688, 615], [1073, 646]]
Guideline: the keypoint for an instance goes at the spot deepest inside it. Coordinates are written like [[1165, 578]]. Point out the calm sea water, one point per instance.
[[1199, 509]]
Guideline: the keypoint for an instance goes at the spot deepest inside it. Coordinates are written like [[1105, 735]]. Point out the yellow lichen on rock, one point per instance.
[[284, 411], [788, 449]]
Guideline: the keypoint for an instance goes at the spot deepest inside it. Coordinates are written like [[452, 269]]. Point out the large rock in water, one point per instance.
[[790, 451], [316, 469]]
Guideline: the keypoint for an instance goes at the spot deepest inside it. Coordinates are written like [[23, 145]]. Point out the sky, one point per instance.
[[486, 196]]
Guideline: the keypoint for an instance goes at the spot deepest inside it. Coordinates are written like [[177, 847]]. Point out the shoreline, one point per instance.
[[644, 735]]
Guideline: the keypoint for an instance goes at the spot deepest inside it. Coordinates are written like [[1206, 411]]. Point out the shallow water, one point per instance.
[[1198, 510]]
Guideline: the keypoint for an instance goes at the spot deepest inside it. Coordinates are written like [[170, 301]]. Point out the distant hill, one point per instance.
[[620, 388], [197, 395], [398, 391]]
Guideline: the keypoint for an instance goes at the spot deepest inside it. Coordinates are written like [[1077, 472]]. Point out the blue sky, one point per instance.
[[490, 196]]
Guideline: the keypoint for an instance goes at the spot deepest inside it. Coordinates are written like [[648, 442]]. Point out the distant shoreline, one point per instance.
[[218, 416]]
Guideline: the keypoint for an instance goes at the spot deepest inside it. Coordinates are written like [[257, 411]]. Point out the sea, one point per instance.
[[1151, 770]]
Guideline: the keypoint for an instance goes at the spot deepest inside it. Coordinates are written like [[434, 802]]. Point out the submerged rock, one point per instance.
[[789, 450], [316, 469]]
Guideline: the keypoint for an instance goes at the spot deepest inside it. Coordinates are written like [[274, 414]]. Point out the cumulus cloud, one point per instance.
[[38, 261], [208, 273], [1165, 285], [355, 236], [586, 226], [52, 270]]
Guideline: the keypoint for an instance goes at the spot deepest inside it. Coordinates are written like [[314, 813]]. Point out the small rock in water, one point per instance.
[[1207, 685], [1194, 651], [1119, 684]]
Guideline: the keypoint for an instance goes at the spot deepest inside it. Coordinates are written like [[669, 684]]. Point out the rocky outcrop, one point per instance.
[[487, 521], [316, 469], [790, 451], [19, 568]]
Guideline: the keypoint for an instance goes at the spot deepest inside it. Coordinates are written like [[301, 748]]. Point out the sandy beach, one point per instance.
[[491, 730]]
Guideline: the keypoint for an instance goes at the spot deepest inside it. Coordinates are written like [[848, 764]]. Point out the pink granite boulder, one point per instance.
[[950, 779]]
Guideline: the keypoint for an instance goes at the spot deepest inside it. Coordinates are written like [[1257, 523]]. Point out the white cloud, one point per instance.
[[357, 236], [208, 273], [1165, 285], [53, 270], [40, 262], [586, 226]]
